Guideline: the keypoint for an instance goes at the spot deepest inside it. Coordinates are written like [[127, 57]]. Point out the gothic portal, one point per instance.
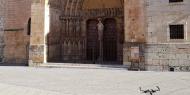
[[140, 34], [74, 33], [87, 31]]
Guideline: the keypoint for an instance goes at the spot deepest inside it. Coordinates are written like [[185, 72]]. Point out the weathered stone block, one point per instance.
[[36, 53]]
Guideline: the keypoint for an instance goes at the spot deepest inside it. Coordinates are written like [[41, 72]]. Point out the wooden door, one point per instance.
[[92, 40], [110, 40]]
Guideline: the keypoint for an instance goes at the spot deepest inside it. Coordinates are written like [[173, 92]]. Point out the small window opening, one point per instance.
[[29, 27], [177, 31], [174, 1]]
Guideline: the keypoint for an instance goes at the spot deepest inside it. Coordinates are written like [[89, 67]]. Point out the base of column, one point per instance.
[[34, 64]]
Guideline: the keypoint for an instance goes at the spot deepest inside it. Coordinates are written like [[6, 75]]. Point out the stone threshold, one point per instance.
[[83, 66]]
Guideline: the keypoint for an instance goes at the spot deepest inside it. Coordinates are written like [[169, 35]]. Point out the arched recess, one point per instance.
[[76, 21], [62, 17]]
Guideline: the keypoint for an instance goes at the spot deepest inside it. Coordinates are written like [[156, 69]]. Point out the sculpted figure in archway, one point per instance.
[[100, 27]]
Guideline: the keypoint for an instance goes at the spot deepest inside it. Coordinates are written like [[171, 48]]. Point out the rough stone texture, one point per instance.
[[97, 4], [162, 52], [135, 20], [2, 20], [38, 32], [161, 57], [135, 27], [160, 14], [15, 36]]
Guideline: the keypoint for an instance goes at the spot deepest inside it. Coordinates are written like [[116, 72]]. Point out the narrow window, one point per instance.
[[177, 31], [29, 27], [174, 1]]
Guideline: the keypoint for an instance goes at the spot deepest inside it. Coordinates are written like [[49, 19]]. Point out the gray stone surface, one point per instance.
[[69, 81], [162, 56], [1, 36], [2, 17], [161, 51]]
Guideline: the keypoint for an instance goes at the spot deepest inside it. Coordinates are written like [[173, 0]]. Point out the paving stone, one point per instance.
[[75, 81]]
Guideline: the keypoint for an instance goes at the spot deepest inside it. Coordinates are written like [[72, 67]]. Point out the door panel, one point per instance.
[[92, 40], [110, 40]]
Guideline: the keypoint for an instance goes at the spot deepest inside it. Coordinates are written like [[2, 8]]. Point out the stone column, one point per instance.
[[39, 31], [135, 26]]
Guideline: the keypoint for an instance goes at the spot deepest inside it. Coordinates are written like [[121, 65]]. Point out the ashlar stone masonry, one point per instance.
[[137, 33], [2, 25]]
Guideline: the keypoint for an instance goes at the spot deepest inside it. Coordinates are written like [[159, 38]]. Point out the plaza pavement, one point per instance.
[[77, 81]]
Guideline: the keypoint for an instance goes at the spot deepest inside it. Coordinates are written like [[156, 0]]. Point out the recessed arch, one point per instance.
[[78, 23]]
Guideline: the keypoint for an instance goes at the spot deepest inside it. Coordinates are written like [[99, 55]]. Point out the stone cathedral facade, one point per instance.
[[139, 34]]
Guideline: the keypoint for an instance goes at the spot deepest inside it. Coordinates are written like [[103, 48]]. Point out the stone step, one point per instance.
[[134, 69], [83, 66]]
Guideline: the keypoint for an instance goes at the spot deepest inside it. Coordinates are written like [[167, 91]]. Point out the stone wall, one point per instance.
[[161, 51], [135, 17], [16, 38], [37, 40], [135, 27], [162, 57], [2, 19]]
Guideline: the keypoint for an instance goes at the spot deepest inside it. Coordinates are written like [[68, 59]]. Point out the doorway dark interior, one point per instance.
[[92, 40], [110, 40]]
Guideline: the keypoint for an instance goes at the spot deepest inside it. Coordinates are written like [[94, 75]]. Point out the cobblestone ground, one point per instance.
[[75, 81]]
